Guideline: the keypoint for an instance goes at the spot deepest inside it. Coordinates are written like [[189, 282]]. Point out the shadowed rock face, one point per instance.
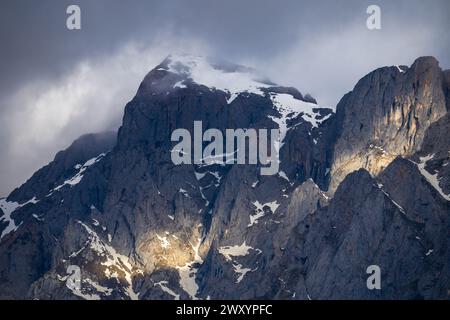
[[436, 146], [364, 225], [139, 226], [63, 165]]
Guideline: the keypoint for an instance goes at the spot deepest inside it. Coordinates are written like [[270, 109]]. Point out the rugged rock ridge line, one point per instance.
[[387, 115], [140, 227]]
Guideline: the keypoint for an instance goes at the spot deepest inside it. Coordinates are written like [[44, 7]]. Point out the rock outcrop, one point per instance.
[[387, 115]]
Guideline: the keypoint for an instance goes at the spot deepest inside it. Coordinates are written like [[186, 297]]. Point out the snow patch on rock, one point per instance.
[[113, 261], [259, 211], [290, 108], [8, 207], [237, 251], [431, 178], [163, 286], [188, 273], [76, 179]]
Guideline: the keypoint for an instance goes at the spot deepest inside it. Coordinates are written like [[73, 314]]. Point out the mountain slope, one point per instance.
[[140, 227]]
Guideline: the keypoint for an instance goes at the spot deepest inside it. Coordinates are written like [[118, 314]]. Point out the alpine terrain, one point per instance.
[[365, 183]]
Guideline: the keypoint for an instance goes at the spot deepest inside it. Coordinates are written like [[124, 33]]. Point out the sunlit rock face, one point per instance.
[[140, 227], [386, 115]]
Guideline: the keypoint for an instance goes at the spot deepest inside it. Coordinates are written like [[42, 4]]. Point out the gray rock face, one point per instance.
[[63, 165], [139, 227], [386, 115], [44, 207], [244, 259], [434, 155], [446, 86], [363, 225]]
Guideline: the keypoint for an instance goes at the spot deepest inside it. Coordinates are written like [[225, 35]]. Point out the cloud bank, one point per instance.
[[56, 85], [44, 117]]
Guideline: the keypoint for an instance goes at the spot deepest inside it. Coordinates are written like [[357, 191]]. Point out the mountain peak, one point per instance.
[[214, 74], [182, 71], [426, 60], [186, 63]]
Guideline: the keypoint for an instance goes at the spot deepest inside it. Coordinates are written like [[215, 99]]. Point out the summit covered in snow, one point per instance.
[[236, 80], [227, 77]]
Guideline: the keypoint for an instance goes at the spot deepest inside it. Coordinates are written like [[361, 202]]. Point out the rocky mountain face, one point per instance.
[[386, 115], [365, 185]]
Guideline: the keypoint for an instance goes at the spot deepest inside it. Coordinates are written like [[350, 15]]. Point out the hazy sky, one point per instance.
[[57, 84]]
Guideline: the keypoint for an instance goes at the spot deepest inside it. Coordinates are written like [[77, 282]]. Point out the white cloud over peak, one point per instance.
[[44, 117]]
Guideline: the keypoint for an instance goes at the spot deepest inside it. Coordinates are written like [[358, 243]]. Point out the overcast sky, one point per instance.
[[57, 84]]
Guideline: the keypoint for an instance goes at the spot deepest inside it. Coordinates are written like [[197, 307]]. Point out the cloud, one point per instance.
[[44, 117], [329, 64], [56, 85]]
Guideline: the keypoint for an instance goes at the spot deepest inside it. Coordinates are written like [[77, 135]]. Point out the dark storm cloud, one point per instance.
[[56, 84]]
